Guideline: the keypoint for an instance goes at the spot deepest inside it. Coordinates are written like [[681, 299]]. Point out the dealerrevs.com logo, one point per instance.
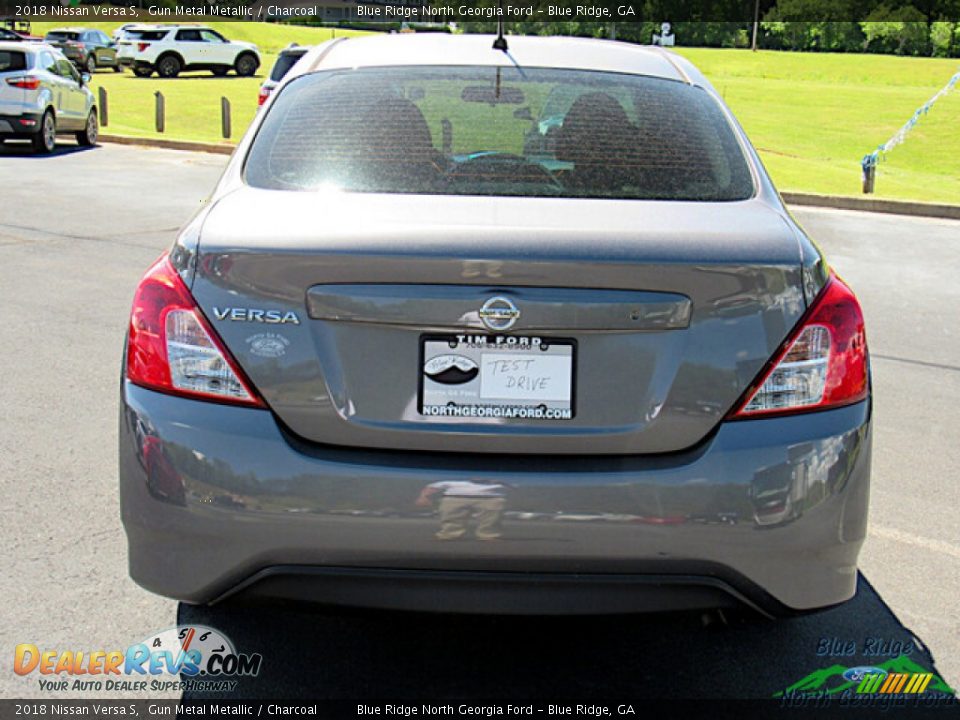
[[187, 657]]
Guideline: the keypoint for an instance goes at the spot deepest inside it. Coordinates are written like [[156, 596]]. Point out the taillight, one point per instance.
[[823, 364], [172, 348], [262, 97], [26, 83], [142, 46]]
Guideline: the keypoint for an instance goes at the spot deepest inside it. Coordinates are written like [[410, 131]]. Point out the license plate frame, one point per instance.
[[562, 351]]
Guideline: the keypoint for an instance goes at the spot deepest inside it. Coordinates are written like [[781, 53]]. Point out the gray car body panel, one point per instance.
[[212, 495]]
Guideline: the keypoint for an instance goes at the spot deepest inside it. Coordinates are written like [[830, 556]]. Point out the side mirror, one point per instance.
[[84, 79]]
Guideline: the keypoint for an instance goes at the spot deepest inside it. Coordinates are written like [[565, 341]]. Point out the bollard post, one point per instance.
[[160, 111], [104, 114], [225, 117], [869, 176]]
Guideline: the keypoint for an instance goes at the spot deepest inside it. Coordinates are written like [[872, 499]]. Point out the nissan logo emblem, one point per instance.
[[499, 314]]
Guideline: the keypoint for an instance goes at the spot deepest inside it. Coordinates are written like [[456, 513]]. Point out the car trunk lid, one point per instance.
[[668, 311]]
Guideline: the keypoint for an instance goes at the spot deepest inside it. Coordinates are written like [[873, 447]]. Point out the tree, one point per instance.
[[902, 31]]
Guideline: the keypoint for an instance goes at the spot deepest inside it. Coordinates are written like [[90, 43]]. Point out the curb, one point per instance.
[[190, 145], [839, 202], [894, 207]]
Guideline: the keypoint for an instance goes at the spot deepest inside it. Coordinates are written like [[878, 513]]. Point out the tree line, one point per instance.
[[920, 28]]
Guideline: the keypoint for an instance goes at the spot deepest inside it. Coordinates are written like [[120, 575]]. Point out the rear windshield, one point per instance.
[[145, 34], [12, 60], [284, 62], [499, 131], [58, 35]]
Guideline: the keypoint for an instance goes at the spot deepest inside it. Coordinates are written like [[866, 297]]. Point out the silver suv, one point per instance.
[[42, 95]]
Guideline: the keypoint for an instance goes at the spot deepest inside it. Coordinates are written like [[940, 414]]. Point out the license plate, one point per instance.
[[495, 377]]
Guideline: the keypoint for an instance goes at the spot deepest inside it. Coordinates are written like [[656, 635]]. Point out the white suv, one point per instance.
[[171, 49]]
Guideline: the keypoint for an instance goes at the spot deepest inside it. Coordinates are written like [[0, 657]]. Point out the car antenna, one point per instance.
[[501, 42]]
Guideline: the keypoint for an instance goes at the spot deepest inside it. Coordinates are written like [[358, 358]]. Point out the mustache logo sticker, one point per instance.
[[451, 369]]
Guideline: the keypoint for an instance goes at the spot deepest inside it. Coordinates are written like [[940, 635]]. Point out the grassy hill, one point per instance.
[[813, 116]]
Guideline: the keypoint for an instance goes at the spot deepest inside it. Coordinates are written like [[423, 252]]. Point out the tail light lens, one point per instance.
[[823, 364], [142, 46], [26, 83], [172, 348], [262, 97]]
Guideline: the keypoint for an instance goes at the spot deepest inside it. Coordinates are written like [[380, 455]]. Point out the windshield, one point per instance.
[[11, 60], [285, 61], [145, 34], [58, 35], [499, 131]]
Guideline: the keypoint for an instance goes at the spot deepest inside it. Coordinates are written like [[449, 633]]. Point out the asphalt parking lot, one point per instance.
[[76, 231]]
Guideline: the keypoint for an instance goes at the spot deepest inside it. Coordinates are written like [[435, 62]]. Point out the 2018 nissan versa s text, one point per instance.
[[524, 331]]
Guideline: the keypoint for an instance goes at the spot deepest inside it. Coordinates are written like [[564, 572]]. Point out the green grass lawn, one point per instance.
[[812, 116]]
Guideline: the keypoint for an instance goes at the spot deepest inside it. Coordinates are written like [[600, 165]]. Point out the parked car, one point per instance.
[[21, 28], [131, 38], [9, 36], [387, 305], [169, 50], [285, 60], [42, 95], [87, 49], [121, 32]]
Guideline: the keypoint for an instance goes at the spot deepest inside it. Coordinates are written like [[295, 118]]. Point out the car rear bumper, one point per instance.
[[15, 126], [219, 500]]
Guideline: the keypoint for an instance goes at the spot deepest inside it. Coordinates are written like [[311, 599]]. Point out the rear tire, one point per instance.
[[44, 140], [91, 64], [220, 71], [118, 68], [143, 72], [91, 131], [246, 65], [169, 66]]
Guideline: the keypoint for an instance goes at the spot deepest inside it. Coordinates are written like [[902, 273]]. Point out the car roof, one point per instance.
[[524, 51], [31, 47], [164, 26]]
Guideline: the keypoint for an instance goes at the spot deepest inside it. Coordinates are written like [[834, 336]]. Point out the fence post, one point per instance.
[[104, 114], [869, 175], [160, 111], [225, 117]]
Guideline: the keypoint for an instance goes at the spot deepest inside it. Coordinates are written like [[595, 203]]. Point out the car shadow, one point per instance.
[[23, 149], [323, 653]]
